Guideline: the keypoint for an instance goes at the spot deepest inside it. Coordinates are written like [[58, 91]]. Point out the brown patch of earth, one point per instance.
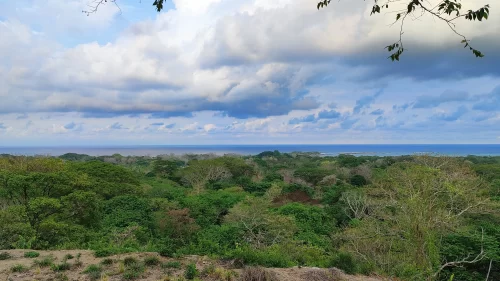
[[296, 196], [115, 271]]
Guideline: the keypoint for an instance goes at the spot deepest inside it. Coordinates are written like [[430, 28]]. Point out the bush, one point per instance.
[[128, 261], [93, 271], [107, 261], [191, 271], [45, 262], [18, 268], [171, 264], [103, 253], [5, 256], [358, 180], [78, 262], [268, 257], [345, 262], [151, 261], [68, 256], [257, 274], [208, 270], [31, 254], [133, 271], [61, 277], [61, 267]]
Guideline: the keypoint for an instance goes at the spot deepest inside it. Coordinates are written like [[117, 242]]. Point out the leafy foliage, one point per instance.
[[362, 214]]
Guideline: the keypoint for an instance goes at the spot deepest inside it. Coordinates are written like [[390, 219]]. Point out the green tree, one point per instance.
[[14, 227], [262, 227], [165, 168], [201, 172], [407, 214], [82, 207], [127, 210], [42, 208]]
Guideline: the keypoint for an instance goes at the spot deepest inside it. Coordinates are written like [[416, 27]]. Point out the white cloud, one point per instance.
[[261, 62]]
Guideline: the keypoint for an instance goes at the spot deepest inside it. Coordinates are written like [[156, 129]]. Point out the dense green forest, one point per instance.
[[413, 217]]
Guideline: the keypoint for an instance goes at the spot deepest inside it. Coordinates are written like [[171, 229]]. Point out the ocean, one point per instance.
[[327, 149]]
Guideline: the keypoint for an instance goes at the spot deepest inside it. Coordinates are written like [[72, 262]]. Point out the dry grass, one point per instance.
[[257, 274], [320, 275]]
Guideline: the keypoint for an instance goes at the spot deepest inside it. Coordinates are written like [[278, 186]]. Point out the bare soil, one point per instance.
[[115, 271]]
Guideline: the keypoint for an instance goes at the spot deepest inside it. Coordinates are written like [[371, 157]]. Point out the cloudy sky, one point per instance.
[[241, 71]]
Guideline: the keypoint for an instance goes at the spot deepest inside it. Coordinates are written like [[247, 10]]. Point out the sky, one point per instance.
[[242, 72]]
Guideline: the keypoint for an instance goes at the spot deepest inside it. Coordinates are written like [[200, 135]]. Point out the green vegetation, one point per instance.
[[171, 264], [411, 217], [61, 266], [151, 261], [93, 272], [107, 262], [45, 262], [191, 271], [5, 256], [19, 268], [31, 254]]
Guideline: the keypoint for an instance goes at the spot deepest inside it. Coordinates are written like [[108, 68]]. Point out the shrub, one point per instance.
[[223, 274], [257, 274], [78, 262], [345, 262], [133, 271], [18, 268], [268, 257], [93, 271], [5, 256], [31, 254], [107, 261], [61, 267], [128, 261], [191, 272], [103, 253], [171, 264], [208, 270], [358, 180], [151, 261], [47, 261], [68, 257], [61, 277]]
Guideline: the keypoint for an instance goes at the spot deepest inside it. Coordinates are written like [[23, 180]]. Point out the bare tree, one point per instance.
[[409, 210], [199, 173]]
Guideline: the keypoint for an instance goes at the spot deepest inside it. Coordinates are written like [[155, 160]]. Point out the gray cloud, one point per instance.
[[490, 102], [23, 116], [377, 112], [365, 102], [401, 108], [308, 118], [117, 126], [445, 97], [453, 116], [348, 123], [328, 114], [70, 126]]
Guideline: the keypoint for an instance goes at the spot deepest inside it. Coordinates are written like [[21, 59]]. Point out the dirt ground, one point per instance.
[[152, 273]]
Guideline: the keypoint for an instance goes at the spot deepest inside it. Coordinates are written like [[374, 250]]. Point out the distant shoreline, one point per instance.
[[323, 149]]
